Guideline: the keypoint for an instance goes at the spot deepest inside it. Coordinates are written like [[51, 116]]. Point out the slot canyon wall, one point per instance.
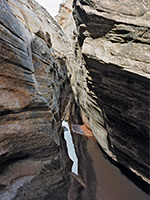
[[103, 52], [34, 91], [110, 73]]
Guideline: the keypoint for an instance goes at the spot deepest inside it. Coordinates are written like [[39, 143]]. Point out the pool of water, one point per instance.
[[103, 180]]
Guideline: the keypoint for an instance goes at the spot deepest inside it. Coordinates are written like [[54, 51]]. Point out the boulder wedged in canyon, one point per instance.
[[33, 99], [110, 76]]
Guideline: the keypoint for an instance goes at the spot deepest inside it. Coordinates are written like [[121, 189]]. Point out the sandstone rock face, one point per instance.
[[107, 58], [110, 77], [33, 93], [65, 20], [64, 13]]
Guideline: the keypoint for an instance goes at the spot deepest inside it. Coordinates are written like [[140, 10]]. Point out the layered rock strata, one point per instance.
[[33, 98], [107, 58], [110, 77]]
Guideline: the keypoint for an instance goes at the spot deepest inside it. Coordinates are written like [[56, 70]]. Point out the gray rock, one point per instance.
[[33, 90], [110, 75]]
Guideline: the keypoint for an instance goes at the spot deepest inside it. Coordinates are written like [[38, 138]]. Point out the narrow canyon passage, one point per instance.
[[103, 180], [90, 65]]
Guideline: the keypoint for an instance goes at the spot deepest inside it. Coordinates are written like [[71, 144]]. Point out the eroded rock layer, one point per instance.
[[106, 52], [110, 77], [33, 96]]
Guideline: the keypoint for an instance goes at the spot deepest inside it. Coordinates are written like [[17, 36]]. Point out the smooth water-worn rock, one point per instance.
[[110, 75], [33, 98]]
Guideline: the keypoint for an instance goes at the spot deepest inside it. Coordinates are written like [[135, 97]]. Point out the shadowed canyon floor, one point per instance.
[[103, 180]]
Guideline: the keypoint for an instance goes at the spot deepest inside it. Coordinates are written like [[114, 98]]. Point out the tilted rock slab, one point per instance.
[[110, 77], [33, 159]]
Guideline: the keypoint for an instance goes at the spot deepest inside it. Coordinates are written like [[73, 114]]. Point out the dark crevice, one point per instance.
[[124, 32], [140, 42], [5, 112], [6, 161], [36, 108]]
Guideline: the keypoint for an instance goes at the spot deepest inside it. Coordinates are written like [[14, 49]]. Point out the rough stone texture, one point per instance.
[[107, 57], [33, 96], [66, 21], [64, 13], [110, 75]]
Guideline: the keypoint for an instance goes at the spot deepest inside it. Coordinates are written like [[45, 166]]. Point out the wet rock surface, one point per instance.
[[33, 97], [110, 77]]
